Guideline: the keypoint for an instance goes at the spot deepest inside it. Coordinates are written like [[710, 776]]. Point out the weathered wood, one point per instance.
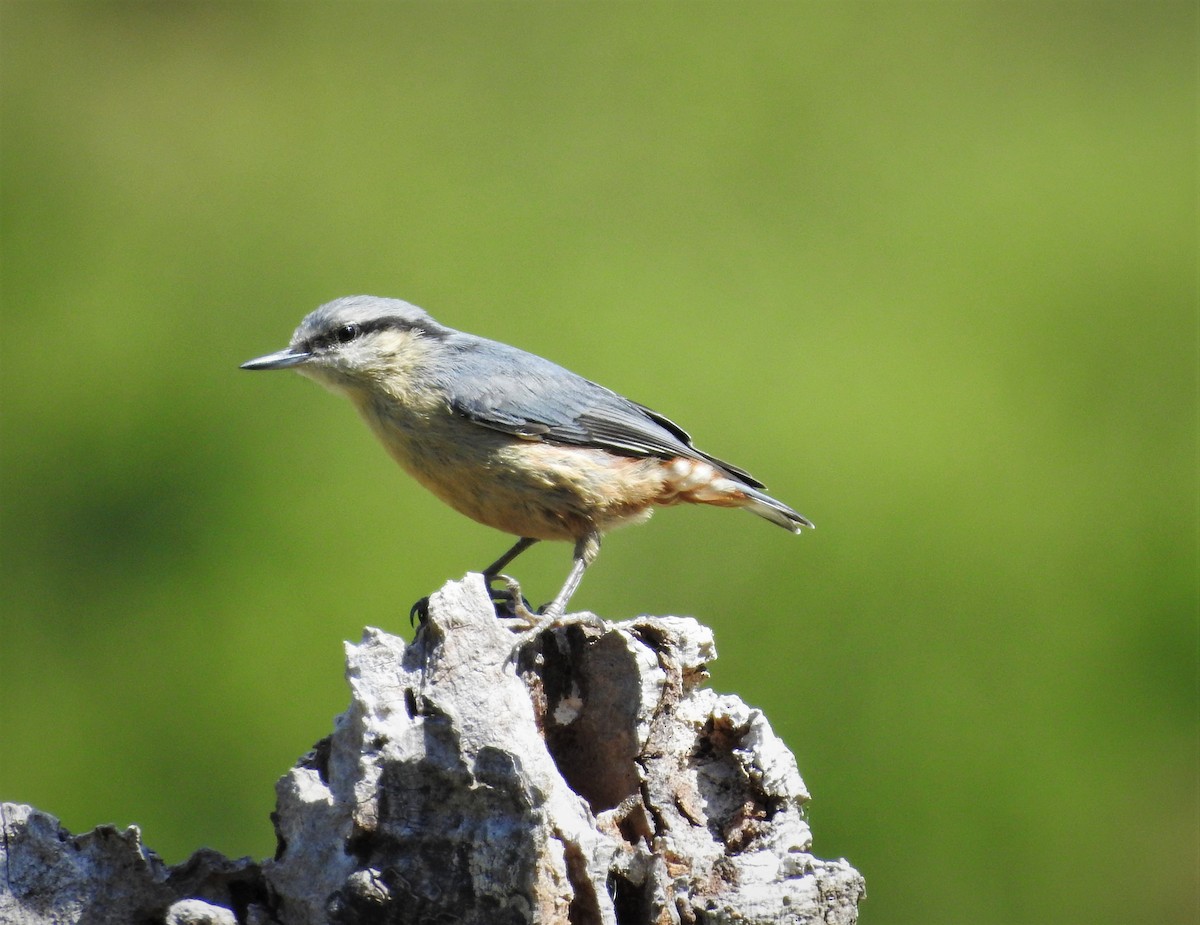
[[584, 775]]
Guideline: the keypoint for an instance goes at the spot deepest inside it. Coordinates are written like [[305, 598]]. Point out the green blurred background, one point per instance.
[[928, 269]]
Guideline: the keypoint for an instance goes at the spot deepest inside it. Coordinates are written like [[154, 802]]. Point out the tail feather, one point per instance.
[[698, 482], [777, 512]]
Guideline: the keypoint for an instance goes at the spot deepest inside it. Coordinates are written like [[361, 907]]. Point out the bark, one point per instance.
[[581, 774]]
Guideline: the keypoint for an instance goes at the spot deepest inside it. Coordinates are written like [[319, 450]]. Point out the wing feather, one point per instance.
[[519, 393]]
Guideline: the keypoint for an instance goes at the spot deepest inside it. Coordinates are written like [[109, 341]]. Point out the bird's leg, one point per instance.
[[510, 595], [586, 550], [493, 570]]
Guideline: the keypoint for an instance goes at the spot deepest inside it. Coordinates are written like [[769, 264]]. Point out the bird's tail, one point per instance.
[[698, 481], [777, 512]]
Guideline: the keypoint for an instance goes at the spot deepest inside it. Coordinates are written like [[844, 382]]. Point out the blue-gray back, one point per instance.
[[511, 390]]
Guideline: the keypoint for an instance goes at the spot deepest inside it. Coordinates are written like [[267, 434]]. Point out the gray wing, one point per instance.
[[515, 392]]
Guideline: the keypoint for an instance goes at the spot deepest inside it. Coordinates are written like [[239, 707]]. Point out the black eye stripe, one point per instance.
[[428, 327], [344, 333]]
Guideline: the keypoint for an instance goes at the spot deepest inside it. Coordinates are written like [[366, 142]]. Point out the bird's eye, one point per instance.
[[346, 333]]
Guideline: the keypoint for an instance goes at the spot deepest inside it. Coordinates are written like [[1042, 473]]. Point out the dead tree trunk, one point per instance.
[[582, 776]]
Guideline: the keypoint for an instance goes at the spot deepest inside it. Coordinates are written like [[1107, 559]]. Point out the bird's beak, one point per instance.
[[283, 359]]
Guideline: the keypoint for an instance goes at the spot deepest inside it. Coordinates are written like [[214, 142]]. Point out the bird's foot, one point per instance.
[[511, 605], [551, 619]]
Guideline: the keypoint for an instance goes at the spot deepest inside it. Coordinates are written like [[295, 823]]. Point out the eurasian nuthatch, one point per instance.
[[509, 438]]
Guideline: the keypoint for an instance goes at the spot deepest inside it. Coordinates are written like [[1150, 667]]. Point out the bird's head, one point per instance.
[[357, 343]]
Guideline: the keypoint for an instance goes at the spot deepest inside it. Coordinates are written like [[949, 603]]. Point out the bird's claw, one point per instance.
[[551, 618], [419, 611], [510, 603]]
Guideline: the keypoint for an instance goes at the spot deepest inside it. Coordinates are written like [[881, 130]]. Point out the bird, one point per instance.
[[509, 438]]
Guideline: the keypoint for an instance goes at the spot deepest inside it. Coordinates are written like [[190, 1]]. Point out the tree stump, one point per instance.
[[581, 774]]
